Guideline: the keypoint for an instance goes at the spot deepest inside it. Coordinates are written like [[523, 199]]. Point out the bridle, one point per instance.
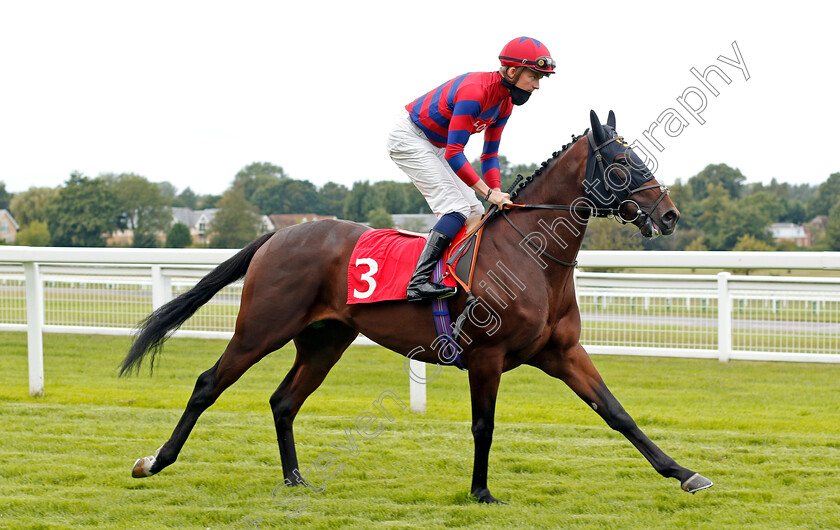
[[590, 209], [615, 212]]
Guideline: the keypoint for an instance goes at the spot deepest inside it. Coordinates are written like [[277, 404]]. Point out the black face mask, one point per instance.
[[517, 95]]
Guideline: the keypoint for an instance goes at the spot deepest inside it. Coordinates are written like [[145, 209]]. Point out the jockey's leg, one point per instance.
[[421, 286], [449, 198], [460, 206]]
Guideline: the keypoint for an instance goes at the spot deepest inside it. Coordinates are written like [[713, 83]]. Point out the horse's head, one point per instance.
[[616, 178]]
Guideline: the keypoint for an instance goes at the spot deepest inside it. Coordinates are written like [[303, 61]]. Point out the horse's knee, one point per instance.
[[618, 419], [482, 430], [282, 407], [611, 411]]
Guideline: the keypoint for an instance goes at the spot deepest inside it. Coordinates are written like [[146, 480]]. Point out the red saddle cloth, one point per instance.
[[381, 266]]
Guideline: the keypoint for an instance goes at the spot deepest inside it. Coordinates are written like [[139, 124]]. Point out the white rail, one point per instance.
[[107, 291], [722, 316]]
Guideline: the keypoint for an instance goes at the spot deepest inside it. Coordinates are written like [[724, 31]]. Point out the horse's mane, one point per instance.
[[554, 156]]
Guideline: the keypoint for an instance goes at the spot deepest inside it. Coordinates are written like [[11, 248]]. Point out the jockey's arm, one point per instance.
[[490, 164], [463, 115], [497, 197]]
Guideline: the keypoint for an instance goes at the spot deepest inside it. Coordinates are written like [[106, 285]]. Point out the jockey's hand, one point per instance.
[[499, 198]]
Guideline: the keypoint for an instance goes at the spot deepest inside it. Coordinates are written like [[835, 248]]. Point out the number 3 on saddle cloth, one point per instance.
[[383, 261]]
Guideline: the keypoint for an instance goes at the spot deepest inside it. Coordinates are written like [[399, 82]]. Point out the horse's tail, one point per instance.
[[157, 327]]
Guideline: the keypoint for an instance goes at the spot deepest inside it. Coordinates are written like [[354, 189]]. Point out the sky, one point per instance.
[[191, 92]]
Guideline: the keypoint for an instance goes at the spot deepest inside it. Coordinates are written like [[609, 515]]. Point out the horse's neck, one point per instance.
[[559, 184], [561, 180], [560, 231]]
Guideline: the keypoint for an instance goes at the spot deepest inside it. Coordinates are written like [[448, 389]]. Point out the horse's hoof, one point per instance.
[[696, 482], [143, 467], [485, 497]]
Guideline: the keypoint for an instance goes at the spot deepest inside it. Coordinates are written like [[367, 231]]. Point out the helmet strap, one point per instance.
[[517, 95]]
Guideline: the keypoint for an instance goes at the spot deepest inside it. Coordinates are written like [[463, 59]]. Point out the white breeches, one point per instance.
[[427, 168]]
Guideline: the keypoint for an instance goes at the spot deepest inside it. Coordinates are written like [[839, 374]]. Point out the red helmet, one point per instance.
[[528, 52]]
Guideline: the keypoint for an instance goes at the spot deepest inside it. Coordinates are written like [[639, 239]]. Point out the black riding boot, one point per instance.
[[421, 286]]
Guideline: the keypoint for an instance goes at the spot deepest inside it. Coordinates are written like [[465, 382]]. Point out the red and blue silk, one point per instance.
[[463, 106]]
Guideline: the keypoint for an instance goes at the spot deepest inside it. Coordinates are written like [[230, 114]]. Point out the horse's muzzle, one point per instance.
[[668, 222], [662, 225]]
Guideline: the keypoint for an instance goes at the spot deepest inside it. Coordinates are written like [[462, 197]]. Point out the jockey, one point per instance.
[[428, 141]]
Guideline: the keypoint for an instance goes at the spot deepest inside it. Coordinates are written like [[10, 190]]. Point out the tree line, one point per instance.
[[719, 209], [86, 211]]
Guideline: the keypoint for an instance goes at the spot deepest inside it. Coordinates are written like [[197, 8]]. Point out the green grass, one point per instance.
[[767, 434]]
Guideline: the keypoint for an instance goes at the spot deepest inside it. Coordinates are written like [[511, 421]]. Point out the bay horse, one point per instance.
[[295, 288]]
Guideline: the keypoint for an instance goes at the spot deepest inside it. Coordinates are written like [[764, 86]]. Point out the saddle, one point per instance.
[[383, 261]]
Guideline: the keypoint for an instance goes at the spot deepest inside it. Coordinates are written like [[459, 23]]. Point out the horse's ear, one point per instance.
[[597, 128], [611, 119]]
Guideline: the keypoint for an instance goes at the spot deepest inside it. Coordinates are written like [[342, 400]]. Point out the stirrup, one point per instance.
[[430, 291]]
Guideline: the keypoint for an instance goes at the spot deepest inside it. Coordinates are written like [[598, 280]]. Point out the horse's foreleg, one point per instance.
[[319, 347], [575, 368], [484, 386]]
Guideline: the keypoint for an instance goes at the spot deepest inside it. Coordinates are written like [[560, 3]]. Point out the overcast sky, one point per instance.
[[192, 91]]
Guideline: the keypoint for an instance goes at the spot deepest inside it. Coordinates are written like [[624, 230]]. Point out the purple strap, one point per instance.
[[443, 323]]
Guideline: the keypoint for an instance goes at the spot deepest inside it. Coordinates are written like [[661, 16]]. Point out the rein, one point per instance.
[[588, 211]]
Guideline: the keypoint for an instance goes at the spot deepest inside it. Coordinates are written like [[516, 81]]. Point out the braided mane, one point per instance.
[[527, 180]]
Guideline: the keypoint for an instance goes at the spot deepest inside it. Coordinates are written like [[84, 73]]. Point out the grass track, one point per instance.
[[767, 434]]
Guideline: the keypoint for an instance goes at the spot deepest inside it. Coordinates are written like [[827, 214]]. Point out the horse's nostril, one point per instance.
[[671, 217]]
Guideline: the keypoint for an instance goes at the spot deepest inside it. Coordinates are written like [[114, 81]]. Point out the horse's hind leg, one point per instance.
[[484, 387], [575, 368], [243, 351], [319, 347]]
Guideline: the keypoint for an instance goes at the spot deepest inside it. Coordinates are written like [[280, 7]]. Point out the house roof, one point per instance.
[[7, 213], [193, 217], [282, 220], [820, 220], [787, 231]]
